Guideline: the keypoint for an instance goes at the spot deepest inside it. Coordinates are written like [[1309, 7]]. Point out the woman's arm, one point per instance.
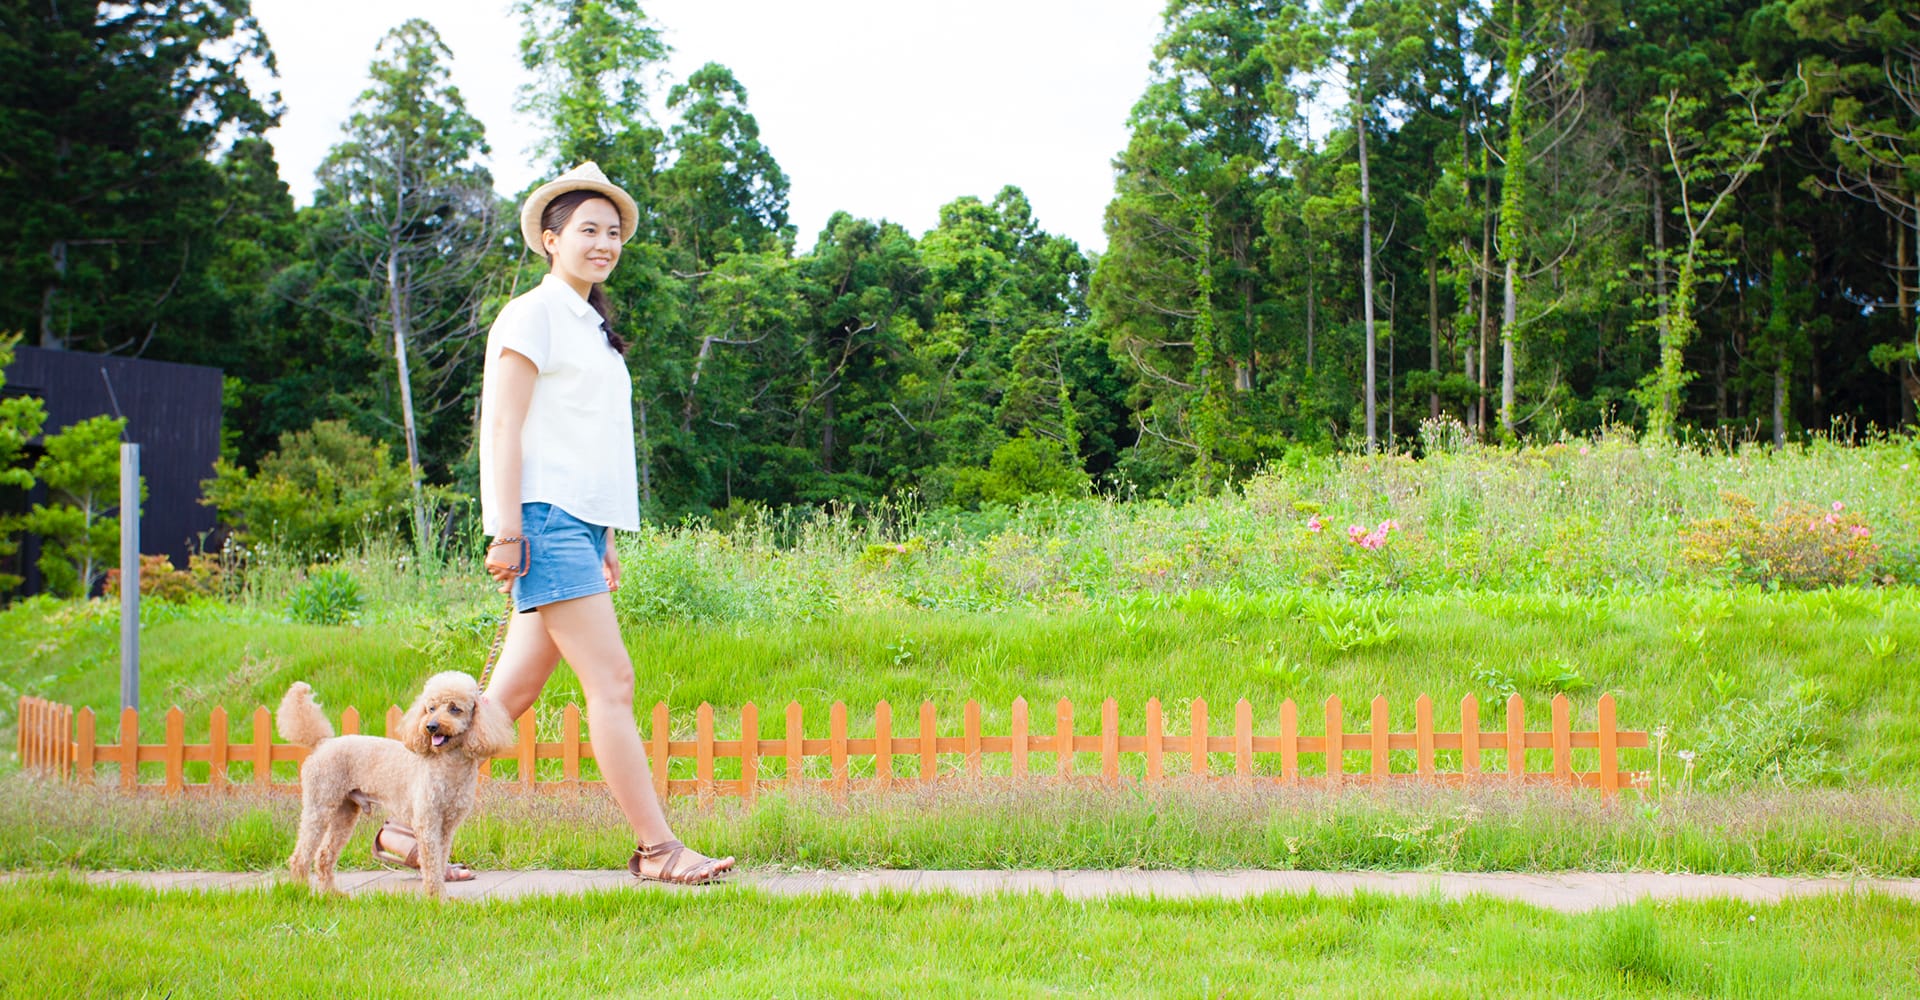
[[512, 376]]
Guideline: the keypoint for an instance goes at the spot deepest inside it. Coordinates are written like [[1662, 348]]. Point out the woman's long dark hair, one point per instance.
[[559, 210]]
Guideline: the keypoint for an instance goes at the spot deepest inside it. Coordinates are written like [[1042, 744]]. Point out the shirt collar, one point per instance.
[[555, 285]]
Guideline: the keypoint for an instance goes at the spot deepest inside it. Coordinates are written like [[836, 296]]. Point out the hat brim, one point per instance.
[[542, 196]]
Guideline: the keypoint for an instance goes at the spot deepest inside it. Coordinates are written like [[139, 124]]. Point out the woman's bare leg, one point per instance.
[[527, 659], [588, 636]]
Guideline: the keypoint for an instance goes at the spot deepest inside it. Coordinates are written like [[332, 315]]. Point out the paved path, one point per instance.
[[1569, 891]]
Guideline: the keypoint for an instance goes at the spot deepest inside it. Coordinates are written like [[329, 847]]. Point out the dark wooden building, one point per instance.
[[172, 413]]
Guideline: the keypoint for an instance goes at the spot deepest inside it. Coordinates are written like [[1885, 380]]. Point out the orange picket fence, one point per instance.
[[57, 741]]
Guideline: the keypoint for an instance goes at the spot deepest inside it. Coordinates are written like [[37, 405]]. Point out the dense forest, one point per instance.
[[1333, 223]]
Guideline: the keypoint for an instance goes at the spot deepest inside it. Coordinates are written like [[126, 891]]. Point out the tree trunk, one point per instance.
[[646, 459], [48, 338], [1780, 399], [1509, 311], [1366, 263], [396, 302], [1433, 336], [826, 435]]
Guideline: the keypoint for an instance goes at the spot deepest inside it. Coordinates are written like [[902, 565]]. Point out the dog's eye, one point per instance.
[[453, 709]]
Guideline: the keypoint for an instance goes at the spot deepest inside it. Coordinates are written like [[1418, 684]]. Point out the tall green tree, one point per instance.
[[111, 116], [79, 527], [416, 216]]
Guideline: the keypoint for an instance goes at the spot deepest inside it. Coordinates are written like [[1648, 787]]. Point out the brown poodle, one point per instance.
[[426, 779]]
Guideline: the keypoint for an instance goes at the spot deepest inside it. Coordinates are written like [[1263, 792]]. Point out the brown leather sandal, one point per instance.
[[456, 872], [667, 852]]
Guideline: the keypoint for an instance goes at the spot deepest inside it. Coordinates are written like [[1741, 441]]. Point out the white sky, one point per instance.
[[883, 108]]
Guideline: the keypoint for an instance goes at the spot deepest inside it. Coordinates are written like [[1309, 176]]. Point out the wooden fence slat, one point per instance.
[[658, 751], [262, 749], [217, 748], [21, 740], [570, 746], [971, 724], [1289, 742], [1334, 742], [85, 748], [129, 749], [1063, 738], [1423, 733], [1516, 737], [1243, 738], [796, 756], [837, 746], [1018, 735], [703, 754], [394, 714], [1197, 738], [1562, 741], [1609, 750], [176, 750], [749, 752], [1470, 738], [1110, 740], [883, 745], [1377, 739], [929, 735], [1156, 737], [524, 749]]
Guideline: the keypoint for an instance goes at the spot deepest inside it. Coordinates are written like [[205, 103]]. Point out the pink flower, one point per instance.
[[1838, 506], [1862, 531], [1313, 525], [1354, 532], [1833, 519]]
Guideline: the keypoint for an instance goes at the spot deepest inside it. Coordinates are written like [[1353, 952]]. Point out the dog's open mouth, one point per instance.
[[439, 738]]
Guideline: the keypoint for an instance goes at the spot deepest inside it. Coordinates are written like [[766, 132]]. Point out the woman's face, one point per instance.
[[588, 244]]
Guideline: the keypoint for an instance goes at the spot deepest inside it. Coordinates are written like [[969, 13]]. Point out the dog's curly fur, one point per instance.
[[427, 778]]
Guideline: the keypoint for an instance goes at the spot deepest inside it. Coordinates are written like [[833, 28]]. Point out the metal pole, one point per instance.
[[129, 576]]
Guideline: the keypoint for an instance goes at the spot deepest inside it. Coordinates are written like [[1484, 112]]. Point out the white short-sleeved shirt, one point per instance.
[[576, 447]]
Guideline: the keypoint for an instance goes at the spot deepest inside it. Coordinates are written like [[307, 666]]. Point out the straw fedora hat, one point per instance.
[[585, 177]]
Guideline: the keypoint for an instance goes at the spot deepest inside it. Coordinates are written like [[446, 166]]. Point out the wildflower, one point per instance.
[[1838, 506], [1862, 531], [1313, 525], [1686, 756]]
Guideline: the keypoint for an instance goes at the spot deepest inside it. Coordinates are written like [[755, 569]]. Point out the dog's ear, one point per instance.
[[492, 729], [413, 727]]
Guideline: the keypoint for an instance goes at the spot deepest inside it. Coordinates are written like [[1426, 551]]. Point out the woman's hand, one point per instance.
[[611, 565], [504, 555]]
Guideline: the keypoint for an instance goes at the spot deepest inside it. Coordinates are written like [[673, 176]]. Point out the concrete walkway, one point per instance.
[[1570, 891]]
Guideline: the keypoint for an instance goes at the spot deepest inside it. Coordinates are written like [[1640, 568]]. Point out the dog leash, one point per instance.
[[506, 613]]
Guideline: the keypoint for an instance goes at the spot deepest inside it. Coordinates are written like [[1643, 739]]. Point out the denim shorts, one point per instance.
[[567, 556]]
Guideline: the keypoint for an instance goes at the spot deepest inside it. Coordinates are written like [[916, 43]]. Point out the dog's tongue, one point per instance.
[[439, 738]]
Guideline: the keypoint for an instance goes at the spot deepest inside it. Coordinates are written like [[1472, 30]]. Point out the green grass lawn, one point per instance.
[[65, 939], [1816, 688]]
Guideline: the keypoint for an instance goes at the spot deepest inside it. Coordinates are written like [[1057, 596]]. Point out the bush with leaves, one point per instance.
[[329, 597], [78, 540], [21, 417], [203, 577], [1022, 467], [1800, 546], [322, 491]]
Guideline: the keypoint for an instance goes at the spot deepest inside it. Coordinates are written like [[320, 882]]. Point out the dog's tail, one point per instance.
[[300, 719]]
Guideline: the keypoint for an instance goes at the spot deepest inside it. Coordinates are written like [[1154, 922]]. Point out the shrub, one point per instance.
[[329, 597], [159, 579], [1023, 467], [324, 489], [1801, 546]]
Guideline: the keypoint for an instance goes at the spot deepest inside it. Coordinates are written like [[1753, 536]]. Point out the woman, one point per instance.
[[557, 470]]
